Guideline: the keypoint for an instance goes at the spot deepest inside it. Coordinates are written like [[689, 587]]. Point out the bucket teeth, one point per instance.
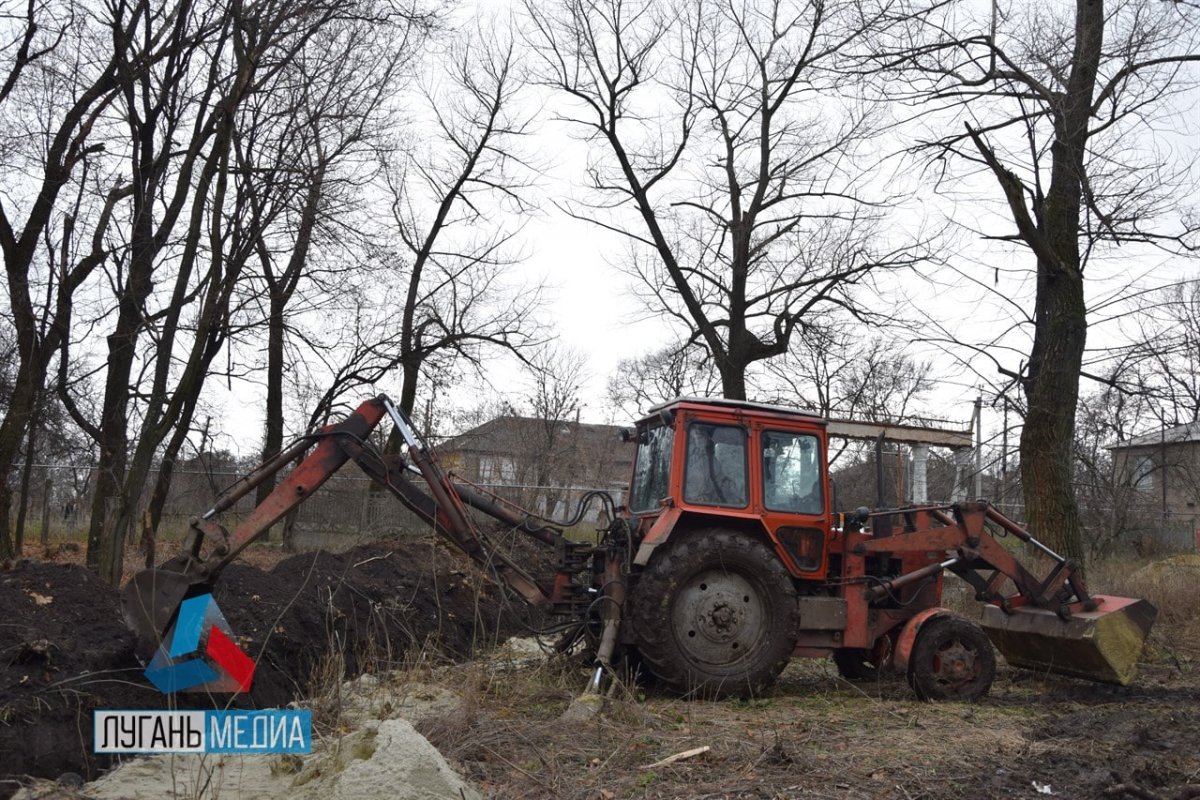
[[1101, 645]]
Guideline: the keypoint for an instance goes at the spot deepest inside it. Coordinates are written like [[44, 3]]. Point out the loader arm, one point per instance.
[[151, 598], [1050, 623], [961, 531]]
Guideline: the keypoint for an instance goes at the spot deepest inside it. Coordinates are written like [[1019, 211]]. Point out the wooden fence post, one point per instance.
[[46, 489]]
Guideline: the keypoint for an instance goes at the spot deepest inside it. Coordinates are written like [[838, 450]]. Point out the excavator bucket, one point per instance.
[[1101, 645], [151, 598]]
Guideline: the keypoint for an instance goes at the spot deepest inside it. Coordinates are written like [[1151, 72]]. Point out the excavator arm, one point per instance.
[[151, 598]]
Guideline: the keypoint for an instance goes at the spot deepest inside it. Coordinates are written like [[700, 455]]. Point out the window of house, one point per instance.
[[1143, 472]]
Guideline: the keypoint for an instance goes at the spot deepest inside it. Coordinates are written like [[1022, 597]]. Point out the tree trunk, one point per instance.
[[166, 469], [1060, 314], [106, 538], [408, 388], [733, 383], [26, 478], [1046, 438], [273, 430], [12, 432]]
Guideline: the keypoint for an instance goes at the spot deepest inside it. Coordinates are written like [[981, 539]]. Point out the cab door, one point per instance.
[[794, 496]]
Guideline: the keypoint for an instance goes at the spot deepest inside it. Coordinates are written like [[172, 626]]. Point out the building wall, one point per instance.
[[1143, 469]]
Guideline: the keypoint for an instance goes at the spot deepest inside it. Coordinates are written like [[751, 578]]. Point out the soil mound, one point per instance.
[[64, 650]]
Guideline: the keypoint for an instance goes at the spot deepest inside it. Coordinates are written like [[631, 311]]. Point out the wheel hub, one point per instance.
[[719, 617], [954, 663]]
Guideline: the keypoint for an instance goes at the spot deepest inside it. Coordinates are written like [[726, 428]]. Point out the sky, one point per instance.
[[591, 308]]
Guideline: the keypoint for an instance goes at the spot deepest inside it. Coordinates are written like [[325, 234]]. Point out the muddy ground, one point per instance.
[[814, 735], [307, 621]]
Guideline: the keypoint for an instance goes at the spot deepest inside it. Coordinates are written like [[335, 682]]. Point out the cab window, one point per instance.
[[652, 469], [716, 465], [792, 473]]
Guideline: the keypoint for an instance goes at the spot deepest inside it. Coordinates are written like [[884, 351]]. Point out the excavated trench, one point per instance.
[[314, 617]]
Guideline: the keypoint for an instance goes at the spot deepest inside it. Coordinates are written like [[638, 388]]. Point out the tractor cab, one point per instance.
[[756, 468]]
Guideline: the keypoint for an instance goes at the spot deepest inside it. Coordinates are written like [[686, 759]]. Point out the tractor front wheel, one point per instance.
[[715, 614], [952, 659]]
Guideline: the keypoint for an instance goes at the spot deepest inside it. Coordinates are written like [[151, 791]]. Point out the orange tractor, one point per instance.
[[726, 561]]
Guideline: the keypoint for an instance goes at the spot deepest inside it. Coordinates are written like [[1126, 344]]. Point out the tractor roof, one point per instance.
[[745, 405]]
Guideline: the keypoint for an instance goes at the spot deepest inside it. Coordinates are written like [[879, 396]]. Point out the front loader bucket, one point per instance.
[[151, 598], [1101, 645]]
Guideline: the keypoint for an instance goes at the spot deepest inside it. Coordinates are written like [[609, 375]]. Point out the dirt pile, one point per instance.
[[64, 650]]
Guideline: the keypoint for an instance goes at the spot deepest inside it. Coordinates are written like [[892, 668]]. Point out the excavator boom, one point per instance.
[[151, 598]]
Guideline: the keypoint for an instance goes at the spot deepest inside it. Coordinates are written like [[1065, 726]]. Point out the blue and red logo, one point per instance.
[[199, 653]]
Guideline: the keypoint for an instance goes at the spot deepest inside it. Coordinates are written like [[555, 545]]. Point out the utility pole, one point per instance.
[[978, 447], [1162, 470], [1004, 455]]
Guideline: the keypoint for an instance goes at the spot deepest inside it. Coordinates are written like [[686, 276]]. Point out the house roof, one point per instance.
[[1180, 434], [501, 434]]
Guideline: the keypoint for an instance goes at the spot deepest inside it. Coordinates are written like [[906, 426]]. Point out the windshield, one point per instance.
[[652, 469]]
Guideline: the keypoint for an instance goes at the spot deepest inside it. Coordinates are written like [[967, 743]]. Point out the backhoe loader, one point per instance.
[[726, 560]]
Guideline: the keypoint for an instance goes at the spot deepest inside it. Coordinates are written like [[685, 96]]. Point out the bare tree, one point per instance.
[[730, 141], [43, 153], [179, 124], [838, 371], [445, 192], [1110, 502], [1162, 364], [678, 370], [311, 152], [1049, 103], [556, 452]]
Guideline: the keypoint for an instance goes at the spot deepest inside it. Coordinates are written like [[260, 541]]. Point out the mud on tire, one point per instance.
[[714, 614]]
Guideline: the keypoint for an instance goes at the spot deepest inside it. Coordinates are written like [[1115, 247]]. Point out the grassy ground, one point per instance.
[[817, 735]]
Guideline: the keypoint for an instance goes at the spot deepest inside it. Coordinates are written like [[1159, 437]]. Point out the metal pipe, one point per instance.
[[593, 686], [246, 483], [1016, 530], [406, 432], [978, 447], [882, 590]]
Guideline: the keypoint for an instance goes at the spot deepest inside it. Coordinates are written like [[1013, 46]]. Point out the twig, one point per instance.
[[910, 721], [678, 757], [372, 558]]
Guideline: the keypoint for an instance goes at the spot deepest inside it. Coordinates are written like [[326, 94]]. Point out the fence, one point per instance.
[[347, 510]]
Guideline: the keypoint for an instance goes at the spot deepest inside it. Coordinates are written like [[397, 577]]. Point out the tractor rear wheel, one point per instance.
[[715, 614], [952, 659]]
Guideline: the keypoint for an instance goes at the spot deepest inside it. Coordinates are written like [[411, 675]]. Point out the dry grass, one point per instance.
[[816, 735], [1171, 585], [72, 550]]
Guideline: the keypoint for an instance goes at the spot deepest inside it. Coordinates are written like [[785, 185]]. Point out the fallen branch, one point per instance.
[[686, 754]]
